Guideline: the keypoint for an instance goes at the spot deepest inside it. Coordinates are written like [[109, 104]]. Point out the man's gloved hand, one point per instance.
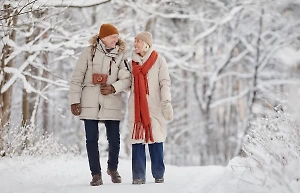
[[167, 110], [76, 109], [106, 89]]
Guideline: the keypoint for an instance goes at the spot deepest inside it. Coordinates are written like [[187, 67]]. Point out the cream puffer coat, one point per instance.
[[94, 105], [159, 91]]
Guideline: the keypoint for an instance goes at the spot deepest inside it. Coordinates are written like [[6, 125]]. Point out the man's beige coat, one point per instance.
[[95, 105]]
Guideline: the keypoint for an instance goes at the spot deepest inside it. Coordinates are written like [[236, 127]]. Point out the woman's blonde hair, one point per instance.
[[145, 47]]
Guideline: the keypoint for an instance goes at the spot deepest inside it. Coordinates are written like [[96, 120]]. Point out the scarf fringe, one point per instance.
[[140, 133]]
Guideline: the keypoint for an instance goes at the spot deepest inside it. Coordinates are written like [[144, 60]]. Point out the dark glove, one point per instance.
[[107, 89], [76, 109]]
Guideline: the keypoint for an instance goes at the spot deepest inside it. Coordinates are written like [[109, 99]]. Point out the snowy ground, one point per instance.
[[71, 174], [66, 174]]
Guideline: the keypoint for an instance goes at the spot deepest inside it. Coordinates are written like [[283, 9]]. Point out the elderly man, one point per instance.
[[97, 80]]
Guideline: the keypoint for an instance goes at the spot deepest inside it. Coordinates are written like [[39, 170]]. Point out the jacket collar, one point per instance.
[[112, 53], [139, 59]]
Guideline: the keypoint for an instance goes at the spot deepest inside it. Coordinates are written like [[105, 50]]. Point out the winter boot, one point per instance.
[[96, 180], [115, 176], [159, 180], [138, 181]]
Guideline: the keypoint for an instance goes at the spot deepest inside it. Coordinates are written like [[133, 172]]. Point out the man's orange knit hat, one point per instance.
[[107, 30]]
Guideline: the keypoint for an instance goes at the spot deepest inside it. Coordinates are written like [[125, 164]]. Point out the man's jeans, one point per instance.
[[139, 160], [92, 136]]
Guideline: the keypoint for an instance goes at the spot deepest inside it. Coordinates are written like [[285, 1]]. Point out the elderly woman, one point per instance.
[[149, 108]]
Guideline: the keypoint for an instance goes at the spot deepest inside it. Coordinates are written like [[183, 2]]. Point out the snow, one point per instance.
[[71, 174], [289, 56]]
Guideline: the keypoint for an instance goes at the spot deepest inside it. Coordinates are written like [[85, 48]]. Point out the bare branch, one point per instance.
[[73, 4]]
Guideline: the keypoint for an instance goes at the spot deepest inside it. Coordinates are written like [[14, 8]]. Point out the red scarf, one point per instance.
[[142, 123]]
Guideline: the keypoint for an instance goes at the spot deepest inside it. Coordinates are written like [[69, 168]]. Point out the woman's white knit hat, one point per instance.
[[145, 36]]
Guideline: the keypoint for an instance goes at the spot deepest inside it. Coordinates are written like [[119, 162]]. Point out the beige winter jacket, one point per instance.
[[159, 91], [95, 105]]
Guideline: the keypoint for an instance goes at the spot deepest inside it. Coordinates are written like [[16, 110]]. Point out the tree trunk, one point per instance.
[[5, 98], [25, 97], [45, 106]]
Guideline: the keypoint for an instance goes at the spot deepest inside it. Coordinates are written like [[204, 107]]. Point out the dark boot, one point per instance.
[[96, 180], [138, 181], [159, 180], [115, 176]]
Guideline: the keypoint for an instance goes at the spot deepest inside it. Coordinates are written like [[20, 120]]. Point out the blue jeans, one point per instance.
[[92, 136], [139, 160]]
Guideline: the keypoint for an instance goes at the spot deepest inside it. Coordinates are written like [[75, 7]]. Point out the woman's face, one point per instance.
[[138, 45], [110, 41]]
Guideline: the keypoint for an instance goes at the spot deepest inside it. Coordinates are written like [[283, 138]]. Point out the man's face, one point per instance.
[[110, 41]]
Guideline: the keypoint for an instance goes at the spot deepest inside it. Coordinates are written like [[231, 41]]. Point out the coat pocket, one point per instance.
[[89, 96], [113, 102]]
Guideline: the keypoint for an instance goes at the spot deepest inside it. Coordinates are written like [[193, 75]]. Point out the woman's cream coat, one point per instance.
[[95, 105], [159, 91]]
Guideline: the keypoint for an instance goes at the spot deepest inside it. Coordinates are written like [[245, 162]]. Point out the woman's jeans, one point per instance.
[[139, 160]]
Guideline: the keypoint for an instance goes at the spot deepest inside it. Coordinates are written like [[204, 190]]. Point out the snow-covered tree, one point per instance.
[[226, 59]]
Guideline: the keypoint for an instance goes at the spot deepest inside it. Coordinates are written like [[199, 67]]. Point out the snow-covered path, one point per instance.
[[71, 174]]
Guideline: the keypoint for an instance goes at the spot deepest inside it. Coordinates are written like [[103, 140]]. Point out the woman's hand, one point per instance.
[[167, 110]]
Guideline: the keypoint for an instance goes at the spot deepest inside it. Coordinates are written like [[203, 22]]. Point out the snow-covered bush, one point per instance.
[[272, 156], [29, 140]]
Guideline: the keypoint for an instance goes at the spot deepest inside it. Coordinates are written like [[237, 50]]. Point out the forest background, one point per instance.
[[234, 66]]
